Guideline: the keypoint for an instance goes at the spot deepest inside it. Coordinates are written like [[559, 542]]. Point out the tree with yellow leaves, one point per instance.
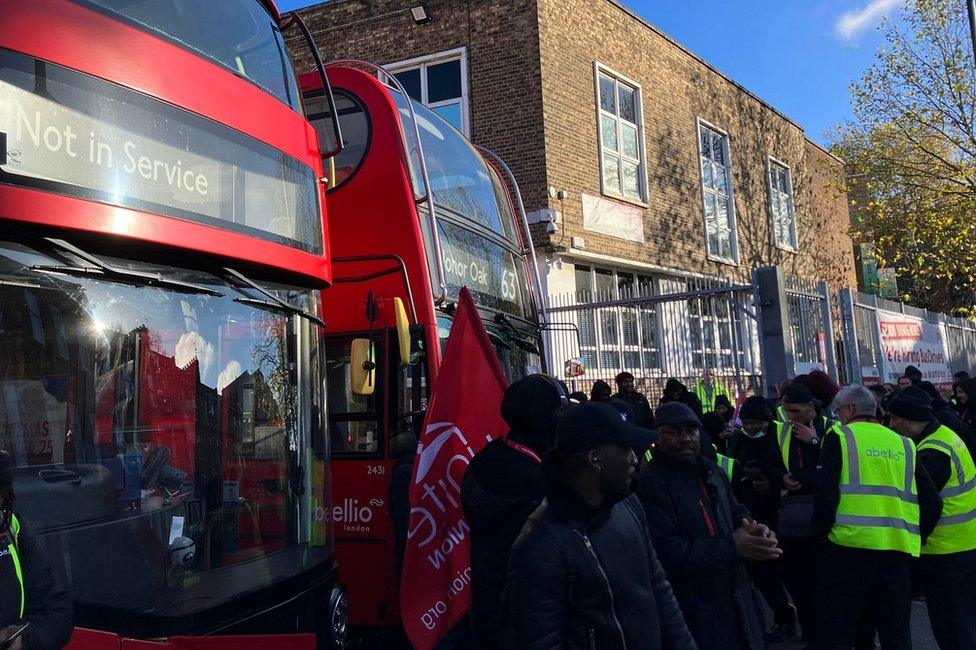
[[911, 156]]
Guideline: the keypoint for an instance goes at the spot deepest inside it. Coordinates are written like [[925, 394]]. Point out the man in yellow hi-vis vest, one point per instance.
[[947, 568], [707, 391], [875, 505], [29, 592]]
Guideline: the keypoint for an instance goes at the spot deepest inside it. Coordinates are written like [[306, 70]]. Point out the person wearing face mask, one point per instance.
[[792, 466], [751, 450], [703, 536], [501, 487], [583, 573]]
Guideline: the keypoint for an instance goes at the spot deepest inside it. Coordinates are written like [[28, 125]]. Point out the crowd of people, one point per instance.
[[599, 522]]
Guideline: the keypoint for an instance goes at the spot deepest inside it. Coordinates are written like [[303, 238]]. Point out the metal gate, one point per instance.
[[671, 327]]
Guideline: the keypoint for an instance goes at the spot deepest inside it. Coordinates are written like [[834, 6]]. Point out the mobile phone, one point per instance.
[[13, 637]]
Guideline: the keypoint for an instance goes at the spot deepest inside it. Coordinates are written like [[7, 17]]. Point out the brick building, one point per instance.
[[654, 166]]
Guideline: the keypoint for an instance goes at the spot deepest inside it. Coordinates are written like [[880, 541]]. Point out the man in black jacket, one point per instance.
[[31, 593], [583, 573], [643, 415], [501, 487], [946, 571], [864, 582], [792, 467], [751, 450], [703, 536]]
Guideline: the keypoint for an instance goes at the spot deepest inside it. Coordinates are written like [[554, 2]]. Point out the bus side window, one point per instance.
[[354, 420]]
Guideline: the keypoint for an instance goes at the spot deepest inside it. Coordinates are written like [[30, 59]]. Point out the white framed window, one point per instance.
[[618, 338], [781, 204], [620, 126], [718, 205], [439, 82]]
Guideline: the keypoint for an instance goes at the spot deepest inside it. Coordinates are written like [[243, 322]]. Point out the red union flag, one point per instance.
[[464, 414]]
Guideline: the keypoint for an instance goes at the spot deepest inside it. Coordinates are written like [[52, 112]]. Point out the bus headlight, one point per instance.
[[339, 606]]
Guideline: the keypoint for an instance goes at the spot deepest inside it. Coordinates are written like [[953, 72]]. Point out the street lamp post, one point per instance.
[[971, 7]]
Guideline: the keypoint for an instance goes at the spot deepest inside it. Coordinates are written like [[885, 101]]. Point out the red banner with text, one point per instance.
[[463, 416]]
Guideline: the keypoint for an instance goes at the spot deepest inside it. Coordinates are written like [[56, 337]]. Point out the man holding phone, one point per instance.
[[35, 608]]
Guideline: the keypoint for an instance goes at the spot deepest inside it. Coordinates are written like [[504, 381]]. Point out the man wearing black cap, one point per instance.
[[643, 416], [703, 536], [501, 487], [947, 566], [793, 464], [583, 573], [752, 447]]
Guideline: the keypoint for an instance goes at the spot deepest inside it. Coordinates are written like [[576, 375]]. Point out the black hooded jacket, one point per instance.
[[501, 488], [48, 606], [585, 577], [967, 411], [692, 514]]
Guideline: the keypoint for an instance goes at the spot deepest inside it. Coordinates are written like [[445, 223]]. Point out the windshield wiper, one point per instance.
[[518, 336], [103, 269], [273, 303]]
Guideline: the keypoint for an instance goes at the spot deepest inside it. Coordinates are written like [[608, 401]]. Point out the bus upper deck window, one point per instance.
[[355, 132]]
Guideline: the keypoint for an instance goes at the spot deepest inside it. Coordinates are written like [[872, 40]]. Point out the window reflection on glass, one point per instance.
[[719, 222], [145, 422], [452, 114], [621, 159], [460, 178], [248, 41]]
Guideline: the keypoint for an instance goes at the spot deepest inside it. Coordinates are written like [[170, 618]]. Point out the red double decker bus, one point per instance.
[[415, 212], [162, 255]]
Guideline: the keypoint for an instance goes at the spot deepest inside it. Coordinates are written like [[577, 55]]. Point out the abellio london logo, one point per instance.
[[887, 454]]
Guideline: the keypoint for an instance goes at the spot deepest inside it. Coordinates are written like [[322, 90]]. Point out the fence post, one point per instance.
[[849, 333], [828, 325], [776, 341]]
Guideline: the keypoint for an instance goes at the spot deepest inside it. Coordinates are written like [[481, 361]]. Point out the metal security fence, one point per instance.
[[658, 328], [866, 357], [749, 335]]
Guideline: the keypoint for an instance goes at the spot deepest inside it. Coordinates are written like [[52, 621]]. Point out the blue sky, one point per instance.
[[798, 55]]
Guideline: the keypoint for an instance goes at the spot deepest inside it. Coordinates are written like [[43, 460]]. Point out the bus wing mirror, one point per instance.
[[403, 331], [362, 367]]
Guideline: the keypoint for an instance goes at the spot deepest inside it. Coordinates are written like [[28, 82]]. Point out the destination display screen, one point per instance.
[[74, 134], [488, 270]]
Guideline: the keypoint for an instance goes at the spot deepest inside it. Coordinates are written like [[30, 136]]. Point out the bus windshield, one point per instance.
[[237, 34], [163, 446], [461, 181]]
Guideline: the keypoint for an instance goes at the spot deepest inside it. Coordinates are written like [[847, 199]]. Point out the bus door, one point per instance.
[[367, 435]]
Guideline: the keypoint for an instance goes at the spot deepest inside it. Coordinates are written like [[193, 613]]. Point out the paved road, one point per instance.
[[922, 638]]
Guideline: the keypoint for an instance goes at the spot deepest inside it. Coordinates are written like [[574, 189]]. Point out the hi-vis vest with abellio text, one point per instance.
[[12, 545], [878, 507], [956, 530]]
